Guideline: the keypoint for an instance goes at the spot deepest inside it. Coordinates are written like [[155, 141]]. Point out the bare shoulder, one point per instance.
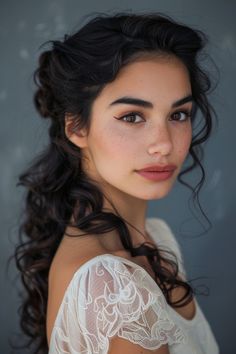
[[72, 253], [70, 256]]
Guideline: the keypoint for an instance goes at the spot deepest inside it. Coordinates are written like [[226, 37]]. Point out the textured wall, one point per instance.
[[24, 25]]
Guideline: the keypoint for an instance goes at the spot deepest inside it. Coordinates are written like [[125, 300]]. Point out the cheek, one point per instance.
[[184, 142], [113, 146]]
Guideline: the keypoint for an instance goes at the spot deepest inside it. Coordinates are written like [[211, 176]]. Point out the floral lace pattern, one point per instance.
[[111, 296], [108, 298]]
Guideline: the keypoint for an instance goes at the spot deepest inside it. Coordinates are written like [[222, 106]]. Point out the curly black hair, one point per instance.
[[70, 75]]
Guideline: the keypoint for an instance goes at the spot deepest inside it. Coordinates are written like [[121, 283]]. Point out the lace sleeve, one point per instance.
[[108, 297]]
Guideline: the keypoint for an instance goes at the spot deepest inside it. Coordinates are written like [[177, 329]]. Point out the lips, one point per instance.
[[156, 175], [158, 168]]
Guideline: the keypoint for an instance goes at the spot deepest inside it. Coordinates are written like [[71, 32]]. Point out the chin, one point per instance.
[[159, 193]]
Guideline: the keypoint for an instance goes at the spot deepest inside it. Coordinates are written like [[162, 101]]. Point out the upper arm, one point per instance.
[[110, 308]]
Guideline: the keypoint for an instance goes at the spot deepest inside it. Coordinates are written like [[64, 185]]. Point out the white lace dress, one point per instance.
[[112, 296]]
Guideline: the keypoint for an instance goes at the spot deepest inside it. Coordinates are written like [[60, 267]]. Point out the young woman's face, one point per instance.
[[160, 134]]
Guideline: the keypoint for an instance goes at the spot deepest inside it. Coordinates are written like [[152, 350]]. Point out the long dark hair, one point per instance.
[[69, 77]]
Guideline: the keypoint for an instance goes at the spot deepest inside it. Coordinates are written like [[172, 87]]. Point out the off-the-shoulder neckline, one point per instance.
[[135, 265], [185, 321]]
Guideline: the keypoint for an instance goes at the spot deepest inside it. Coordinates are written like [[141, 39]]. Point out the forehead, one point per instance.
[[150, 78]]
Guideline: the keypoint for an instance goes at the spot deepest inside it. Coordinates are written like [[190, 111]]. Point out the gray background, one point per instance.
[[24, 25]]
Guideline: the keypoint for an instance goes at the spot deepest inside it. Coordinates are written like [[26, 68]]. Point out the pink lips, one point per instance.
[[157, 172]]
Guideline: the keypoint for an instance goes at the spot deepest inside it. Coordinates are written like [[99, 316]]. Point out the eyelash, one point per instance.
[[187, 112]]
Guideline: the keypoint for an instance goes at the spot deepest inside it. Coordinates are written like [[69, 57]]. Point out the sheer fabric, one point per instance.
[[112, 296]]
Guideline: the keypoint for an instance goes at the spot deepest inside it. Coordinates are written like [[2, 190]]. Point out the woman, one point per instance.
[[122, 95]]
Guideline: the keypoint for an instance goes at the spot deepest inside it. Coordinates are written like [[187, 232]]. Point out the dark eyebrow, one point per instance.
[[147, 104]]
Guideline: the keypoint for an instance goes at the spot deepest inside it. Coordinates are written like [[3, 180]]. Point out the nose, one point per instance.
[[161, 140]]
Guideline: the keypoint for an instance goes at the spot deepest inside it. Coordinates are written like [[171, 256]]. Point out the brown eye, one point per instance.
[[186, 115], [131, 118]]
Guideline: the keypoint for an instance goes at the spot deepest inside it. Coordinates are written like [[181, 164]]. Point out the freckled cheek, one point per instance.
[[115, 146], [184, 143]]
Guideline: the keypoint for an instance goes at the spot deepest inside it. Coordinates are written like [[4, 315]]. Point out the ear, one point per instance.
[[76, 135]]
